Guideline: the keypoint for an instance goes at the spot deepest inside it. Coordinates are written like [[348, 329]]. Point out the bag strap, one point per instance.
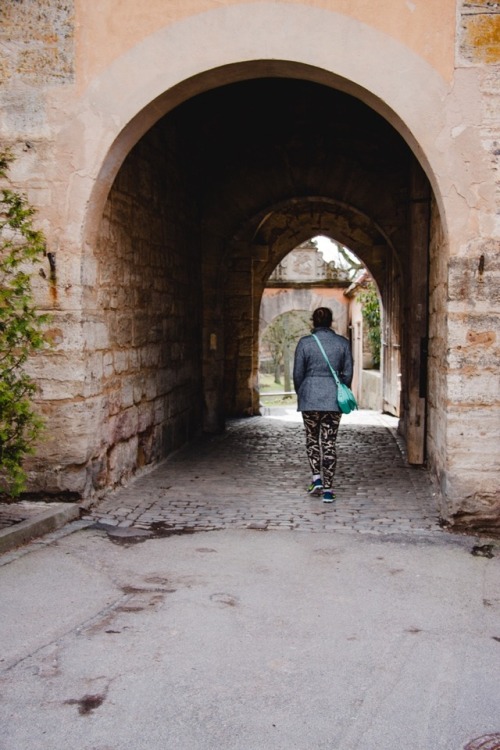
[[336, 377]]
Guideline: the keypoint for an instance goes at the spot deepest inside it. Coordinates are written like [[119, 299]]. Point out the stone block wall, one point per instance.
[[437, 394], [148, 363], [37, 41], [472, 304], [124, 383], [473, 362]]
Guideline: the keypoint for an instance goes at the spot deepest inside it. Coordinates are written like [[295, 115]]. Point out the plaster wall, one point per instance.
[[276, 302], [106, 30]]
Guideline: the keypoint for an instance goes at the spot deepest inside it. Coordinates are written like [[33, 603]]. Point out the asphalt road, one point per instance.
[[241, 639]]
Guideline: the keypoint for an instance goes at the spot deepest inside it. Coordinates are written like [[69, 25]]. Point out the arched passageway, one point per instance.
[[203, 208]]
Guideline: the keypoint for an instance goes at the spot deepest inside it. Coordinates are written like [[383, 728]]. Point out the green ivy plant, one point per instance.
[[371, 316], [21, 333]]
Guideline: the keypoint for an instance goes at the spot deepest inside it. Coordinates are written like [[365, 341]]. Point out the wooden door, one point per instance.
[[416, 317]]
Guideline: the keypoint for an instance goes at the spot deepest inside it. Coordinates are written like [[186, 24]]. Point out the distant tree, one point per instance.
[[281, 337], [351, 263], [21, 333]]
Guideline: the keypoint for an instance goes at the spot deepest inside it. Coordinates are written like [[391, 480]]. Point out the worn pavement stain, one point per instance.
[[87, 704]]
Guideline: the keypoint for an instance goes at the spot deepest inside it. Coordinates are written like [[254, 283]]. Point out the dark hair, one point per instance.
[[322, 317]]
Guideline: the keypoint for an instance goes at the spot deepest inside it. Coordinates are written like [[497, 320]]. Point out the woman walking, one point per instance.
[[317, 397]]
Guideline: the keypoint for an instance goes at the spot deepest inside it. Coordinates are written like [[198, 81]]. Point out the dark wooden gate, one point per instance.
[[416, 317]]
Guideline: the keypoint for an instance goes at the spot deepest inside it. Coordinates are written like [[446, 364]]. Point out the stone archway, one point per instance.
[[174, 64], [194, 79], [279, 228], [355, 210], [167, 71], [193, 188]]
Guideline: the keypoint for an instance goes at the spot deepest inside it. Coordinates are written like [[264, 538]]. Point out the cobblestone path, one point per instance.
[[255, 475]]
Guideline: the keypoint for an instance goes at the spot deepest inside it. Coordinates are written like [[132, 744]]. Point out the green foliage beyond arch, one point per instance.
[[371, 316]]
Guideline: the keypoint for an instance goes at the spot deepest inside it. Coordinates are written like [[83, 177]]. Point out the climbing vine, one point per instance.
[[21, 333], [371, 316]]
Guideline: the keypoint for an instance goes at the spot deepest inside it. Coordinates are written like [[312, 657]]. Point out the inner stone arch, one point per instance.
[[265, 242]]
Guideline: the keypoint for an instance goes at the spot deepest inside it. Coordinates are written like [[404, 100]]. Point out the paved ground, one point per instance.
[[255, 475], [234, 612]]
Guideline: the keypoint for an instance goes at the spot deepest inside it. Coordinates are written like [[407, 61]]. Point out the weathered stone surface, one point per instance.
[[480, 31], [475, 343], [74, 428], [38, 36], [474, 280], [483, 423], [473, 388]]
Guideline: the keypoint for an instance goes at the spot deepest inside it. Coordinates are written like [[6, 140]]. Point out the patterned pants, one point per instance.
[[321, 437]]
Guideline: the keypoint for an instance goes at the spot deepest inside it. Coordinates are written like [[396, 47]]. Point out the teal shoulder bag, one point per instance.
[[345, 397]]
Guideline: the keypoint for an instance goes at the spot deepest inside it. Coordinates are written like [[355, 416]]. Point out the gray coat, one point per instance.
[[313, 381]]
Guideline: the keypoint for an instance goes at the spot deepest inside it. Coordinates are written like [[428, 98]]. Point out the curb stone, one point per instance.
[[32, 528]]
